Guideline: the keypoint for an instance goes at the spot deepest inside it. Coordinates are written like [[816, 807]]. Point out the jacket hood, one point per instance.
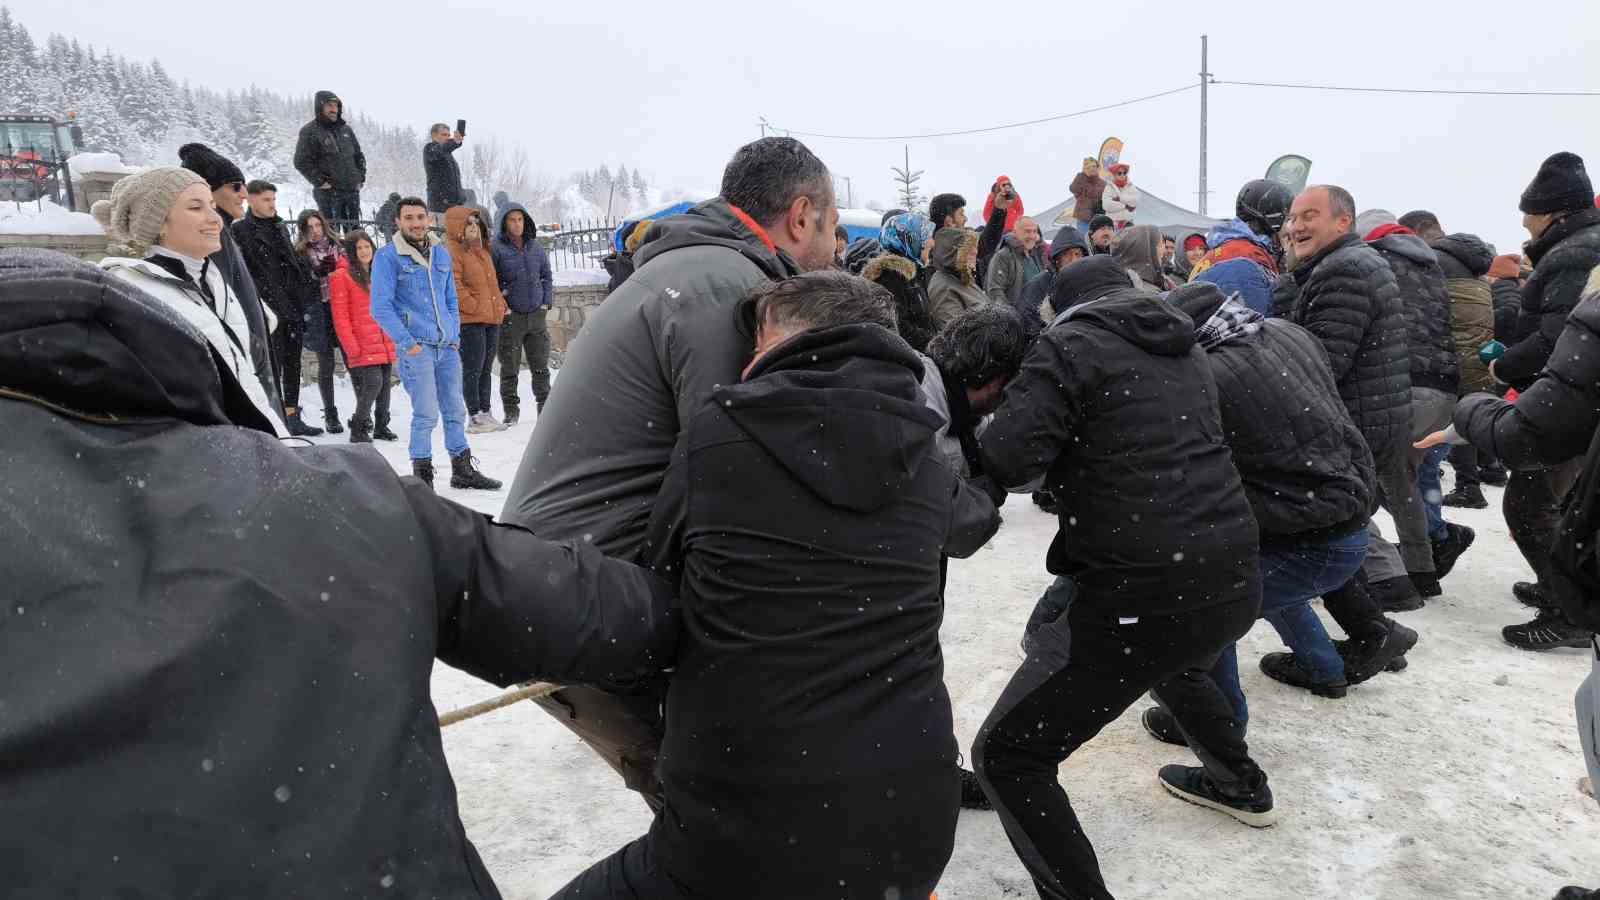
[[1468, 250], [889, 262], [1407, 246], [323, 97], [81, 340], [1138, 249], [1236, 230], [527, 228], [1141, 318], [947, 246], [716, 223], [401, 245], [1199, 300], [455, 223], [841, 410]]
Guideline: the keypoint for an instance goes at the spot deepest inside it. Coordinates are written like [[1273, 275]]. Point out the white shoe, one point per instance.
[[493, 423], [476, 425]]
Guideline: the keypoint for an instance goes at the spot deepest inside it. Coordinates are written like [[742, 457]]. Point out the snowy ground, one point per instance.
[[1454, 779]]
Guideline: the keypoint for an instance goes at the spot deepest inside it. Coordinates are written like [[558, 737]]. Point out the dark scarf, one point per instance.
[[962, 422]]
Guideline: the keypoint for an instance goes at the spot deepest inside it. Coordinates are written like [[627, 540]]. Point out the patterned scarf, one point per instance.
[[1233, 319]]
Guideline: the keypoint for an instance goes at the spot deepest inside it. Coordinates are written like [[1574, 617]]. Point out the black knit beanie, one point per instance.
[[1088, 279], [1562, 185], [215, 168]]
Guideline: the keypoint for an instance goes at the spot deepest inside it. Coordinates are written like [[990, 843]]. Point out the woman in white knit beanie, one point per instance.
[[161, 226]]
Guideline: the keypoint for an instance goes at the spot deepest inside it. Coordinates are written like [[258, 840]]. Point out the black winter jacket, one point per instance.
[[328, 151], [281, 277], [1034, 294], [994, 231], [1306, 468], [444, 175], [809, 733], [220, 700], [1347, 297], [1426, 302], [900, 277], [230, 262], [1562, 258], [1116, 406], [648, 359]]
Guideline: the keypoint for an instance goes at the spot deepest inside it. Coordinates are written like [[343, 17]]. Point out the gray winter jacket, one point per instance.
[[1006, 273]]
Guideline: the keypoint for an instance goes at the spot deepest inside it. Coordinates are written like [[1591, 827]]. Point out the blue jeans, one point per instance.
[[433, 380], [1432, 492], [1291, 575]]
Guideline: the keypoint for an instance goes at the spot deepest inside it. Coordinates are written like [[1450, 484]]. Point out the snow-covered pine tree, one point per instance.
[[624, 190], [910, 196], [257, 139], [641, 191]]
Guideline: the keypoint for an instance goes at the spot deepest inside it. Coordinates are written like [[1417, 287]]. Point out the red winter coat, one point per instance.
[[1013, 212], [363, 341]]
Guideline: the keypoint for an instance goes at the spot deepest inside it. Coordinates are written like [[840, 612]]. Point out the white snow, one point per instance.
[[44, 217], [575, 277], [1438, 782], [100, 162]]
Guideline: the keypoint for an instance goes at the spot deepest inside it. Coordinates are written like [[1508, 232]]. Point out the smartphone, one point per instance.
[[461, 127]]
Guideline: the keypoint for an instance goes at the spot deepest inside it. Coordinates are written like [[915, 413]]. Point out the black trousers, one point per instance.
[[342, 208], [1532, 507], [287, 342], [478, 344], [372, 384], [1084, 670], [325, 367], [524, 334]]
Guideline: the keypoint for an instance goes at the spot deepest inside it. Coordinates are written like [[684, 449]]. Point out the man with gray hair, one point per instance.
[[648, 358], [809, 748]]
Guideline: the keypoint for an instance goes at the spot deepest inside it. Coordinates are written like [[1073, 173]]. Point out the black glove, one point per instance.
[[990, 488]]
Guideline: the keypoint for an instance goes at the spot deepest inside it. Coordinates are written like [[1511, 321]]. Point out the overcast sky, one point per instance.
[[674, 87]]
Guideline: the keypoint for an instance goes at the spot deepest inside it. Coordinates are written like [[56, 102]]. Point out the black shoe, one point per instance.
[[1162, 726], [360, 433], [1548, 630], [1496, 476], [1529, 593], [538, 407], [297, 427], [1577, 893], [510, 417], [1369, 655], [972, 795], [1046, 502], [1447, 551], [1427, 585], [382, 433], [423, 469], [1192, 784], [1398, 664], [1466, 496], [1398, 594], [331, 420], [463, 474], [1285, 668]]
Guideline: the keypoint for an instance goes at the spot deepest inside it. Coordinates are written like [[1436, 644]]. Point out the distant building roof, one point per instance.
[[1169, 217]]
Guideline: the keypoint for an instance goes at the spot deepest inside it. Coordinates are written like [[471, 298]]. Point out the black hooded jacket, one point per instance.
[[1306, 468], [1116, 406], [186, 715], [328, 152], [1429, 338], [282, 279], [1347, 297], [809, 748], [902, 278], [647, 360], [1562, 258]]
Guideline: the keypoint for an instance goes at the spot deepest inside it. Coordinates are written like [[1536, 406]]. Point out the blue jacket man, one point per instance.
[[524, 272], [414, 302]]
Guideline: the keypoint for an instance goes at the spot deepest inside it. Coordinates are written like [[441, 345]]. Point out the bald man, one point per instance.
[[1014, 263]]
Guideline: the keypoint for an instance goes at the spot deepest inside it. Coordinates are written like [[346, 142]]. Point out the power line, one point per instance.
[[1384, 90], [938, 134]]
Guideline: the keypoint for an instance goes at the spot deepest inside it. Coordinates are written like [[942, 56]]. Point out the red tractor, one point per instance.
[[33, 158]]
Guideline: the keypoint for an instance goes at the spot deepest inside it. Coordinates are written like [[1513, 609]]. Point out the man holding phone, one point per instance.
[[439, 163]]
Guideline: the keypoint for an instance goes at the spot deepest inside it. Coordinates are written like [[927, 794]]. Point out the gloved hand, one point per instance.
[[1490, 352], [995, 493], [1506, 265]]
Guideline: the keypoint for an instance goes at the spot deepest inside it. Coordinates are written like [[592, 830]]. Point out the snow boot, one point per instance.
[[330, 418], [360, 432], [1529, 593], [1447, 551], [972, 795], [1427, 585], [423, 469], [1466, 496], [1191, 784], [1372, 653], [297, 427], [1162, 726], [382, 432], [463, 474], [1495, 475], [1285, 668], [1548, 630], [1397, 594], [1398, 664]]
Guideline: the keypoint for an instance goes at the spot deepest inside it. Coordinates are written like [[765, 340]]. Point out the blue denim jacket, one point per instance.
[[414, 298]]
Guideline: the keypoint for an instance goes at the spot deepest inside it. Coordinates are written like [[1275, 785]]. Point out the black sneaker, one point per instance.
[[1285, 668], [1466, 496], [972, 795], [296, 426], [1398, 664], [1529, 593], [1548, 630], [465, 475], [1162, 726], [1372, 654], [1398, 594], [1427, 585], [1447, 551], [1494, 475], [1193, 785]]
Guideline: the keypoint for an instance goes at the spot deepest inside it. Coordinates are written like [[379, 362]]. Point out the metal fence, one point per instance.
[[580, 244]]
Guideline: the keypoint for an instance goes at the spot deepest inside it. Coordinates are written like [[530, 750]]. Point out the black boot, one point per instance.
[[382, 432], [1371, 653], [360, 432], [1426, 583], [1529, 593], [1398, 664], [1191, 784], [298, 428], [1495, 475], [423, 469], [1162, 726], [330, 418], [1046, 502], [1286, 668], [463, 474], [1447, 551], [1398, 594], [1548, 630], [1577, 893], [1466, 496], [511, 415], [972, 795]]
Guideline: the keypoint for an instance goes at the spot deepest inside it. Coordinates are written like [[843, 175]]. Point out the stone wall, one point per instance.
[[572, 308], [92, 186], [88, 247]]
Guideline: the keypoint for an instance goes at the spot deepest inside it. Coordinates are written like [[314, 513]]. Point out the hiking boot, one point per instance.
[[972, 795], [1398, 664], [1447, 551], [297, 427], [479, 423], [463, 474], [1529, 593], [383, 433], [1397, 594], [1372, 653], [330, 418], [1285, 668], [1496, 476], [1548, 630], [511, 416], [1193, 785], [1466, 496], [1427, 585], [360, 433], [423, 469], [1162, 726]]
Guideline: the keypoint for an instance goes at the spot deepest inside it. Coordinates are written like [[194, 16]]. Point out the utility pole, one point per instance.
[[1205, 76], [764, 123]]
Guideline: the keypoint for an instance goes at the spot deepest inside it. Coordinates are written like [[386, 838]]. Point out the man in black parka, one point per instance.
[[186, 715], [808, 749], [1116, 406], [328, 156], [285, 284]]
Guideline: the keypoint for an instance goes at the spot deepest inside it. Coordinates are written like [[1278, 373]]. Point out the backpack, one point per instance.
[[1575, 551]]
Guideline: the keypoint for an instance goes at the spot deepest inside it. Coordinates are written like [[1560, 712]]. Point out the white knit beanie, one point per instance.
[[138, 209], [1371, 219]]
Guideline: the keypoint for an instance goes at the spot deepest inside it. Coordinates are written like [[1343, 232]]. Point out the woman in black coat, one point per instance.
[[901, 270]]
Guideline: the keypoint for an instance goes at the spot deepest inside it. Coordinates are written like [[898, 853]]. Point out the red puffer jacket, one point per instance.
[[363, 341]]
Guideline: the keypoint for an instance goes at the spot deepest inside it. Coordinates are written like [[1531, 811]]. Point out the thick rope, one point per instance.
[[530, 691]]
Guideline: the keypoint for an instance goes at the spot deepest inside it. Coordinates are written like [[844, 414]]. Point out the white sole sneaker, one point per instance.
[[1254, 820]]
